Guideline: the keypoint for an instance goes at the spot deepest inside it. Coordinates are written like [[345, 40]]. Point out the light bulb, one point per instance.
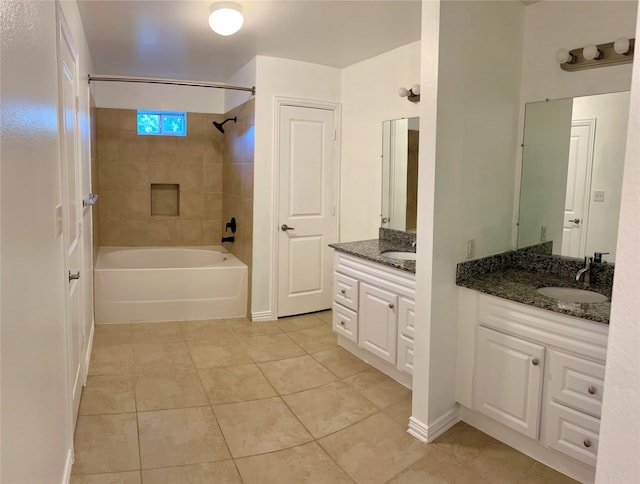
[[622, 46], [563, 56], [226, 18], [415, 89], [403, 92], [591, 52]]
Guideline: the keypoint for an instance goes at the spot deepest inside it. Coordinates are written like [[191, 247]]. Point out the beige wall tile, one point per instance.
[[189, 232], [161, 173], [191, 205], [106, 119], [213, 178], [134, 233], [162, 231], [211, 232], [213, 206], [213, 148], [128, 120], [109, 175], [131, 147], [134, 176], [189, 150], [110, 204], [136, 205], [189, 176], [162, 149], [107, 148]]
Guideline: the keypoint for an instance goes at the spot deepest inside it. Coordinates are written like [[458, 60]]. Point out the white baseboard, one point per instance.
[[88, 351], [428, 433], [263, 316], [66, 477]]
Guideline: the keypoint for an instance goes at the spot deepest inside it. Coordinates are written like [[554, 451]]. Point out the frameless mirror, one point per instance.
[[572, 164], [400, 173]]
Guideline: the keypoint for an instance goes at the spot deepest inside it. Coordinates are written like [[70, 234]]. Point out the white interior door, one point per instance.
[[71, 209], [576, 212], [306, 209]]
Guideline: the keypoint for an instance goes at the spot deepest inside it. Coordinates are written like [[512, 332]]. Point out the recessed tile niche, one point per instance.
[[165, 199]]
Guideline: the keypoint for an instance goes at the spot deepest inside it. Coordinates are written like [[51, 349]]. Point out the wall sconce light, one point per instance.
[[225, 18], [601, 55], [412, 94]]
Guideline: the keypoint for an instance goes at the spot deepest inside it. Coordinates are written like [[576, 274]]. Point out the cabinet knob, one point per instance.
[[343, 291], [535, 362], [390, 306], [591, 390], [586, 443], [342, 323]]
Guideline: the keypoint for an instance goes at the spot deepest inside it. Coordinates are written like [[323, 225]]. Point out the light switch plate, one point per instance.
[[598, 196]]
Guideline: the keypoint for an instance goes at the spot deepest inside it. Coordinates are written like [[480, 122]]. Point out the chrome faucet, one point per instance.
[[586, 270]]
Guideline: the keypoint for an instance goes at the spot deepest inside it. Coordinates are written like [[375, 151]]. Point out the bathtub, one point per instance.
[[168, 284]]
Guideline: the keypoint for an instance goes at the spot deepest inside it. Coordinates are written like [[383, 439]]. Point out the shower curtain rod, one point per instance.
[[173, 82]]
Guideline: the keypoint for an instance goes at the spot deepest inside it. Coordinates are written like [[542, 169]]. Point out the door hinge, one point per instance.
[[333, 211], [77, 104], [335, 135]]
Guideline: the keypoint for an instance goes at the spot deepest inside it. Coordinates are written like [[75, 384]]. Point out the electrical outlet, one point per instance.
[[58, 220], [471, 248], [543, 233], [598, 196]]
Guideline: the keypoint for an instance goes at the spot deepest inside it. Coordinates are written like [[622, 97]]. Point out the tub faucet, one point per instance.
[[586, 270], [229, 239]]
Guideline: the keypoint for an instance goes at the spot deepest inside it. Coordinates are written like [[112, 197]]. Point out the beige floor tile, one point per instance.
[[296, 323], [111, 360], [373, 450], [111, 478], [326, 316], [259, 426], [106, 394], [315, 339], [541, 474], [400, 411], [180, 437], [305, 463], [165, 389], [296, 374], [223, 353], [340, 362], [271, 347], [207, 331], [501, 464], [246, 328], [232, 384], [106, 443], [111, 334], [161, 333], [437, 468], [329, 408], [224, 472], [462, 441], [378, 387], [156, 356]]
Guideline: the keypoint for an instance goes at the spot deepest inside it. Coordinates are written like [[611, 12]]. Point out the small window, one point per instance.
[[162, 123]]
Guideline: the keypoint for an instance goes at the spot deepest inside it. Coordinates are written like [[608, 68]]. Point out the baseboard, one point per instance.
[[428, 433], [263, 316], [66, 477], [88, 351]]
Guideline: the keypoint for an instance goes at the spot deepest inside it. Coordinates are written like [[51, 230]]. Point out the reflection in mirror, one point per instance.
[[572, 165], [400, 173]]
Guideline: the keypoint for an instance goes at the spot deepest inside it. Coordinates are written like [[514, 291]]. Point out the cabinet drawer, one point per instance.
[[345, 322], [345, 291], [406, 317], [576, 382], [573, 433], [405, 354]]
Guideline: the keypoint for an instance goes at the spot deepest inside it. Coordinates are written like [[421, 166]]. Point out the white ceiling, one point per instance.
[[172, 39]]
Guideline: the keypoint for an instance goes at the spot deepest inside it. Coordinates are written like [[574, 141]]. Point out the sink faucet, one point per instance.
[[586, 270]]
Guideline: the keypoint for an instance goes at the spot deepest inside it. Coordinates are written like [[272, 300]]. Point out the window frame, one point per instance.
[[161, 115]]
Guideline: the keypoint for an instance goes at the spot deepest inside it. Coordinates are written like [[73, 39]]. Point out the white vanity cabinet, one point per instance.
[[537, 375], [373, 314]]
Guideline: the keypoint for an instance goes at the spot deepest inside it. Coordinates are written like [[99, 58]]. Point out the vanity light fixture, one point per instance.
[[412, 94], [601, 55], [226, 18]]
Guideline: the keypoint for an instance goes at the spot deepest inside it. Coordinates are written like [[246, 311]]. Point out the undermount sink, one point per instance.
[[399, 255], [570, 294]]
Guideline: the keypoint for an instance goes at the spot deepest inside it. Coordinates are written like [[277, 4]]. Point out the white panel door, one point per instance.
[[306, 222], [71, 211], [508, 380], [378, 322], [576, 212]]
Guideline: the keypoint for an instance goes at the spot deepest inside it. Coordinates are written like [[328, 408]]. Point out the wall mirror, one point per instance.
[[400, 173], [572, 165]]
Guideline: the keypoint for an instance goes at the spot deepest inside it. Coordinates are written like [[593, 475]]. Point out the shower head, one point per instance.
[[219, 125]]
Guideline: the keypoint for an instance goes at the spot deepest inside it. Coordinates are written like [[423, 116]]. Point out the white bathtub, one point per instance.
[[168, 284]]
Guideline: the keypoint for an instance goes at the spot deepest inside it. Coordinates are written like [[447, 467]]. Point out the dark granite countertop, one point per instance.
[[373, 250], [516, 276]]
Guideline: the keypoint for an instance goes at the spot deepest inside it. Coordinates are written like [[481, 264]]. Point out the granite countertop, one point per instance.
[[520, 276], [373, 250]]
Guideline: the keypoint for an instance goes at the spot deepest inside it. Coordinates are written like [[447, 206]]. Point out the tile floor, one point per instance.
[[231, 401]]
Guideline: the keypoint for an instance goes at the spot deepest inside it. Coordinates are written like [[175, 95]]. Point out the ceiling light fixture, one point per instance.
[[412, 94], [226, 18], [601, 55]]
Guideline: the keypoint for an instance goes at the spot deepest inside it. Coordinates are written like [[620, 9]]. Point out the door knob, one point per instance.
[[285, 227], [74, 276], [575, 220]]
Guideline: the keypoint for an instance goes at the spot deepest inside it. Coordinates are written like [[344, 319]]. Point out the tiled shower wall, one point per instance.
[[128, 164]]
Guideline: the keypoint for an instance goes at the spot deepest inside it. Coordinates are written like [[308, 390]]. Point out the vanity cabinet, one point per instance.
[[535, 372], [374, 315]]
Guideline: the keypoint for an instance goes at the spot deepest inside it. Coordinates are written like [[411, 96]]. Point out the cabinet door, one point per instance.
[[508, 380], [378, 322]]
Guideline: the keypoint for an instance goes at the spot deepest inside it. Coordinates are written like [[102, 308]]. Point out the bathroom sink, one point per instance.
[[570, 294], [399, 255]]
